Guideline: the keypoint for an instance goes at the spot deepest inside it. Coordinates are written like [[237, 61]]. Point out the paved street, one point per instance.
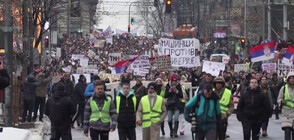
[[234, 130]]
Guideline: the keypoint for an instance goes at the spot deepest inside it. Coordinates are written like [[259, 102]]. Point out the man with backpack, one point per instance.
[[60, 109], [206, 107]]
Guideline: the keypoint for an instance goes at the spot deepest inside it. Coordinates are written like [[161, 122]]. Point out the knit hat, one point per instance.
[[38, 69], [218, 79], [173, 78], [151, 85], [290, 74]]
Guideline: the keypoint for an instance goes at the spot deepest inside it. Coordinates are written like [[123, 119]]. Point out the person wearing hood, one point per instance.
[[253, 108], [90, 88], [226, 102], [285, 99], [60, 109], [30, 85], [173, 94], [79, 98], [126, 106], [160, 90], [69, 85], [151, 113], [139, 89]]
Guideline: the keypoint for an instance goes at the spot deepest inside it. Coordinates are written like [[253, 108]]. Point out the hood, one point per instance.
[[59, 94], [31, 78], [132, 92], [290, 74]]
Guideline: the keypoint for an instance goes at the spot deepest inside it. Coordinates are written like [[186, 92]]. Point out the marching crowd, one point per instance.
[[52, 92]]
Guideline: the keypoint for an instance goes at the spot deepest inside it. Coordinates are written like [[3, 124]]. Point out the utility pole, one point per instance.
[[8, 61], [245, 26], [269, 21], [285, 20], [31, 48], [263, 20], [129, 19], [68, 17]]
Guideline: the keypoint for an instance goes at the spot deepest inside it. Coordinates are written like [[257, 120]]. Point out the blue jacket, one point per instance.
[[208, 114], [90, 89]]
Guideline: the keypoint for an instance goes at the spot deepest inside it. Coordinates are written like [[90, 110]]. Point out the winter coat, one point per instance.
[[30, 85], [78, 93], [208, 112], [90, 89], [99, 125], [41, 91], [287, 115], [176, 97], [127, 114], [253, 106], [69, 87], [139, 91], [60, 109], [4, 79]]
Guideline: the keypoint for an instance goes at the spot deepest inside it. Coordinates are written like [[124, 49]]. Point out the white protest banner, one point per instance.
[[110, 76], [182, 52], [77, 56], [84, 62], [214, 68], [114, 58], [284, 69], [67, 69], [163, 62], [269, 67], [109, 40], [91, 53], [141, 72], [89, 71], [58, 52], [99, 43], [240, 67], [197, 64], [141, 62]]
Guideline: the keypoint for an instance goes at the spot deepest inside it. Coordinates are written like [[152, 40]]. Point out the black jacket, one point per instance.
[[69, 87], [140, 91], [30, 85], [173, 96], [60, 109], [78, 92], [253, 106], [127, 114], [4, 79]]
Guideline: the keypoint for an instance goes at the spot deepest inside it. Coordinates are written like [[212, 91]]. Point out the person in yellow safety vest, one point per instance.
[[286, 100], [151, 113], [226, 101], [126, 105], [160, 90], [100, 114], [184, 100]]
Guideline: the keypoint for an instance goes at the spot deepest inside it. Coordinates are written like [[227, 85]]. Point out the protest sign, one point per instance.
[[240, 67], [141, 62], [284, 69], [141, 72], [91, 54], [269, 67], [84, 62], [58, 52], [114, 58], [163, 62], [214, 68], [77, 56], [182, 52], [99, 43], [110, 76], [81, 70], [67, 69]]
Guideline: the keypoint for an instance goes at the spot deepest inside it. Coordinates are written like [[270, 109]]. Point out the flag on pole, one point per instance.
[[121, 66], [263, 51], [288, 56]]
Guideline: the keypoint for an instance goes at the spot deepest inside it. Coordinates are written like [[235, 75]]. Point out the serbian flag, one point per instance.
[[263, 51], [121, 66], [288, 56]]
